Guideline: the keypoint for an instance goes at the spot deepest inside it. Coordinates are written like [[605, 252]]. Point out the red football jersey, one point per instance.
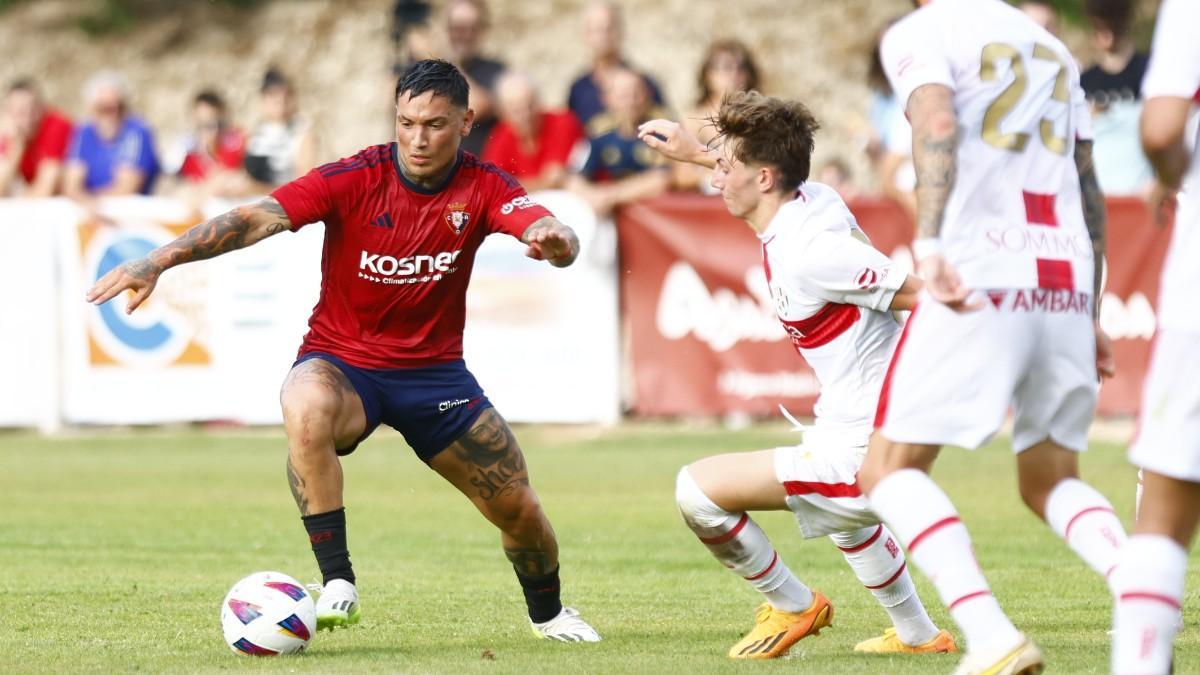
[[397, 257]]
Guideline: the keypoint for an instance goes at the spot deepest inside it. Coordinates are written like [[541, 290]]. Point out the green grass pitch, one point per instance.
[[116, 549]]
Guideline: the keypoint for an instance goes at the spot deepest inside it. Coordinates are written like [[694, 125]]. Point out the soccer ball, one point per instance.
[[268, 613]]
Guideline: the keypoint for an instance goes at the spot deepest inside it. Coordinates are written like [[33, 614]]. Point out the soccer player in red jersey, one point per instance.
[[402, 221]]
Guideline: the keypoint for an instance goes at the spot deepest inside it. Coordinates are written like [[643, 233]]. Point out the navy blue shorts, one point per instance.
[[431, 406]]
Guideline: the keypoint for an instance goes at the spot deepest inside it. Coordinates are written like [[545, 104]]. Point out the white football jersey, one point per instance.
[[832, 291], [1174, 71], [1014, 217]]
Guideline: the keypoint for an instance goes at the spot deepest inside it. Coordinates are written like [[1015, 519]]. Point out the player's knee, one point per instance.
[[698, 511], [517, 511], [308, 412]]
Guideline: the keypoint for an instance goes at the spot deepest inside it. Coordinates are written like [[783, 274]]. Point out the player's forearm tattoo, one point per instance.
[[530, 562], [491, 451], [1094, 215], [935, 146], [227, 232], [296, 483]]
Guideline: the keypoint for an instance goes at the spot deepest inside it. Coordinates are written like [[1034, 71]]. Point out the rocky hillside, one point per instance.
[[340, 53]]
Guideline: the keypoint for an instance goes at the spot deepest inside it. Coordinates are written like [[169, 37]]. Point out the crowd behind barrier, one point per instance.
[[692, 333]]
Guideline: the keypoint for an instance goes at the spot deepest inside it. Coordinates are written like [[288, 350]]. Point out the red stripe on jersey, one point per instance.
[[722, 538], [885, 390], [803, 487], [1153, 597], [823, 327], [871, 540], [930, 530], [1039, 209], [1055, 275], [763, 573], [889, 581], [1077, 516], [968, 596]]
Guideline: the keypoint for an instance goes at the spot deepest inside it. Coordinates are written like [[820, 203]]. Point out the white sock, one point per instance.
[[1085, 520], [1148, 585], [877, 560], [741, 545], [926, 522]]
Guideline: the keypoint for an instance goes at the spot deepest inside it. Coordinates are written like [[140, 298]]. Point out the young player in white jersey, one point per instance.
[[1010, 239], [834, 294], [1148, 582]]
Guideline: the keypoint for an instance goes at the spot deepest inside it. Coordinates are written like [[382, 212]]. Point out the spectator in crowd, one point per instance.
[[412, 37], [728, 67], [1113, 86], [284, 145], [619, 168], [33, 143], [532, 144], [210, 157], [836, 173], [467, 22], [602, 32], [112, 153], [1043, 14], [889, 145]]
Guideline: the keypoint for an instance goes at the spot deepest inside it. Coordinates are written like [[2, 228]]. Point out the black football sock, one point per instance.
[[327, 534], [541, 595]]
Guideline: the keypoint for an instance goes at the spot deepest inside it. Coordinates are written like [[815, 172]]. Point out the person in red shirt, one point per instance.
[[33, 143], [530, 143], [214, 149], [403, 221]]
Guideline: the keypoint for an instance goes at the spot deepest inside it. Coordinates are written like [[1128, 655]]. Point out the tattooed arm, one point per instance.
[[551, 241], [227, 232], [1093, 214], [935, 142]]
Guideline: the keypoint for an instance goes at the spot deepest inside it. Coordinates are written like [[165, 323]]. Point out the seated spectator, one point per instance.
[[412, 38], [33, 143], [619, 168], [1042, 12], [283, 146], [211, 155], [602, 29], [113, 152], [728, 67], [836, 174], [1113, 86], [890, 144], [532, 144], [467, 22]]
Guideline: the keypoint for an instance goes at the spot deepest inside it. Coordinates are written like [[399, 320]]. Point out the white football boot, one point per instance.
[[337, 605], [566, 627]]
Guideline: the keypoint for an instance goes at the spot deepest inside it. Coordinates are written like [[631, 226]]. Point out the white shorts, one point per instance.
[[820, 477], [1168, 436], [954, 375]]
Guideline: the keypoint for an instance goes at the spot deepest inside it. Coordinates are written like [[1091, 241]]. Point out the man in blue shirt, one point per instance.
[[112, 153], [602, 28]]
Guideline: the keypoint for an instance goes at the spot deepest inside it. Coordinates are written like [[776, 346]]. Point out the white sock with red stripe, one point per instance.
[[926, 522], [741, 545], [1086, 521], [878, 562], [1148, 584]]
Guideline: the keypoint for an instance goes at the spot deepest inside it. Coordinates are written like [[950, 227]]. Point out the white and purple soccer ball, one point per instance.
[[268, 613]]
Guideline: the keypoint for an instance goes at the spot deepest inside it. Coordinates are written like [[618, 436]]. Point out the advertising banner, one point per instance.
[[702, 334]]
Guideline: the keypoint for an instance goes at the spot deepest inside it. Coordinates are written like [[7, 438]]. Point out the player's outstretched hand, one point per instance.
[[943, 283], [673, 141], [138, 276], [553, 242], [1106, 364]]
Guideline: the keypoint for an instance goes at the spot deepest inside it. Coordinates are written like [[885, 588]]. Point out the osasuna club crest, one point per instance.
[[458, 217]]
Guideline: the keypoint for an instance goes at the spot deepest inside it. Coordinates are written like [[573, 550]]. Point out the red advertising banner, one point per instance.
[[701, 333]]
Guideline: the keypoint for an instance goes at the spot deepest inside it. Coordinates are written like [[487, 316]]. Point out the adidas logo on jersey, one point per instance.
[[383, 220]]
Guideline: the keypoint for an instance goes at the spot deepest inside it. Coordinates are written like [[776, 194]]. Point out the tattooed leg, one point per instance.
[[487, 465], [321, 412]]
